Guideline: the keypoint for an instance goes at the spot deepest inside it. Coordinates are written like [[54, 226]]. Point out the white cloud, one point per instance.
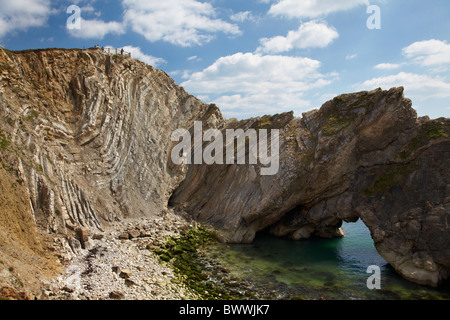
[[20, 15], [244, 106], [136, 53], [327, 97], [248, 83], [428, 53], [242, 16], [309, 35], [90, 10], [97, 29], [180, 22], [312, 8], [419, 87], [194, 58], [428, 89], [388, 66], [3, 27], [351, 56]]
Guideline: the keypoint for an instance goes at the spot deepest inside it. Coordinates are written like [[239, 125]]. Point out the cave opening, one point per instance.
[[354, 248], [316, 267]]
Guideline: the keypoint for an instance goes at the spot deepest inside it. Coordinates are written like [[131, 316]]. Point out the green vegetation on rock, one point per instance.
[[4, 142], [388, 177], [430, 130], [264, 123], [335, 124], [31, 115], [183, 255]]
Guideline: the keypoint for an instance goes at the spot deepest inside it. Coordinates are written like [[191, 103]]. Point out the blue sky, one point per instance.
[[258, 57]]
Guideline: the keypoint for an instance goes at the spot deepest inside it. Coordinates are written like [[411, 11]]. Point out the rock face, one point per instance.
[[362, 155], [91, 134]]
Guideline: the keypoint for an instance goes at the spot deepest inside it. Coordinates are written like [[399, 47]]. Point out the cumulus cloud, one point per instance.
[[426, 87], [242, 16], [89, 9], [21, 15], [312, 8], [429, 52], [180, 22], [419, 87], [248, 83], [388, 66], [309, 35], [351, 56], [194, 58], [96, 29]]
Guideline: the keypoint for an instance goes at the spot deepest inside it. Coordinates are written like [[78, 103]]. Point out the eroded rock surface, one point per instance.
[[92, 132], [364, 155], [86, 135]]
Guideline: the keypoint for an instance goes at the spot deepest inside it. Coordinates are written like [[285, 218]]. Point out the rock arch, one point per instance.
[[364, 155]]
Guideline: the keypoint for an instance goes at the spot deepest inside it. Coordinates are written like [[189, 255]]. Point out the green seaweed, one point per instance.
[[183, 256]]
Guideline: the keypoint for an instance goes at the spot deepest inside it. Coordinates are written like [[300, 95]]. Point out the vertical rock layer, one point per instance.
[[92, 132]]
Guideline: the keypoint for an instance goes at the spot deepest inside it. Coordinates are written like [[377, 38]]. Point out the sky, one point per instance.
[[258, 57]]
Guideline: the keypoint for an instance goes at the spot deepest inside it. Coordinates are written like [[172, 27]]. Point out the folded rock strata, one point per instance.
[[91, 134]]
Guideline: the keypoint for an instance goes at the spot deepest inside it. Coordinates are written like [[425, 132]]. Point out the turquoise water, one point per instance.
[[318, 268]]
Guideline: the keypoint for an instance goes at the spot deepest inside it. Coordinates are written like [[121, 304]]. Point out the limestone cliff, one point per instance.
[[86, 135], [91, 136], [364, 155], [92, 132]]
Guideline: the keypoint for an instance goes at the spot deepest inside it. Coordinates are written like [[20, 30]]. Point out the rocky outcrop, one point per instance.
[[361, 156], [91, 133]]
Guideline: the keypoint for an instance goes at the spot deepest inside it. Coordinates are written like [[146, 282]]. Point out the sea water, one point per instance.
[[318, 268]]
